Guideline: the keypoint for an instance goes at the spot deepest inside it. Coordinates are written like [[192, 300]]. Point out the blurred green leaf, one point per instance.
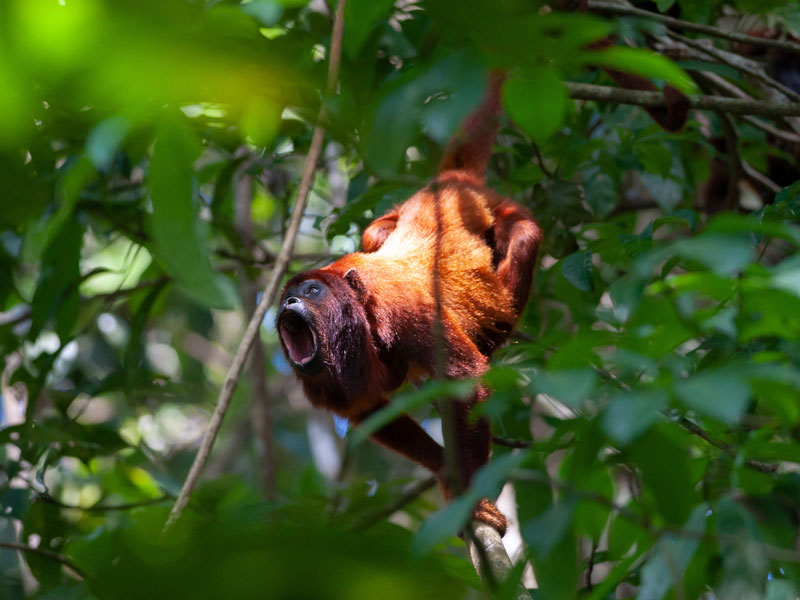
[[448, 521], [721, 394], [723, 254], [179, 240], [570, 386], [56, 295], [645, 63], [361, 17], [537, 103], [665, 469], [664, 569], [631, 413], [577, 269], [104, 140]]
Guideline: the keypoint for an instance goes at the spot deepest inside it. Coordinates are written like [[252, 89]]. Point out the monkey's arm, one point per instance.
[[516, 238], [472, 441], [405, 436], [377, 231]]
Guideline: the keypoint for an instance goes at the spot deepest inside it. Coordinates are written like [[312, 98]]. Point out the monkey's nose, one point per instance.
[[292, 300]]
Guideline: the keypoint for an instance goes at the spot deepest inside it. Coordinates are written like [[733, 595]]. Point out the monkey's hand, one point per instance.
[[487, 512]]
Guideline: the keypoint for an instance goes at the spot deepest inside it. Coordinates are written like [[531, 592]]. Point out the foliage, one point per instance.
[[149, 154]]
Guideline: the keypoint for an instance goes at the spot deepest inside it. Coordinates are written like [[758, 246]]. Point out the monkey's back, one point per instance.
[[439, 242]]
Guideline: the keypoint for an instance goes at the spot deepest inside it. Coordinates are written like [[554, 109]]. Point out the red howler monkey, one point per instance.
[[355, 330]]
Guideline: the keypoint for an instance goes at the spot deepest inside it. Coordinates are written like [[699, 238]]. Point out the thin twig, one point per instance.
[[590, 566], [758, 176], [619, 9], [735, 167], [778, 133], [45, 553], [540, 160], [739, 63], [695, 429], [725, 86], [734, 106], [408, 496], [509, 442], [48, 499], [271, 288]]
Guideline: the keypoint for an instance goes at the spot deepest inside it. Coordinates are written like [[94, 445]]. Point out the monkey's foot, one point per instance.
[[488, 513]]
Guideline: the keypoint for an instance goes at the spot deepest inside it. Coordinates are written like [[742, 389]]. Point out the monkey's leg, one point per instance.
[[377, 231], [516, 239], [473, 439]]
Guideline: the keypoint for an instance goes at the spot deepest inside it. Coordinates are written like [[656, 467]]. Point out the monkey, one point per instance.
[[455, 254]]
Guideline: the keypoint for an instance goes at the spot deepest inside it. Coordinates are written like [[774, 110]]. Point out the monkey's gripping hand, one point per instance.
[[487, 512]]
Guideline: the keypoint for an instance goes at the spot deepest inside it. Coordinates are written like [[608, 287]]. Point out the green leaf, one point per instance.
[[56, 294], [403, 403], [104, 140], [268, 12], [655, 157], [645, 63], [670, 558], [723, 254], [14, 503], [537, 103], [577, 269], [721, 395], [361, 17], [402, 109], [554, 549], [180, 240], [665, 469], [570, 386], [546, 531], [261, 120], [631, 413], [666, 191]]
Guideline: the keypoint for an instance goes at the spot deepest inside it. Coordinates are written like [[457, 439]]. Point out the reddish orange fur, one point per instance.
[[479, 249]]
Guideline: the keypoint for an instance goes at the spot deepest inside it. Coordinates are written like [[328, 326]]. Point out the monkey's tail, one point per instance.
[[470, 148]]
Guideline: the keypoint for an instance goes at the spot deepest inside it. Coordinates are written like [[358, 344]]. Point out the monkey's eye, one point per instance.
[[312, 290]]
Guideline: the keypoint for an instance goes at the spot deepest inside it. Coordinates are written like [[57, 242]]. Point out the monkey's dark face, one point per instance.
[[298, 324], [325, 333]]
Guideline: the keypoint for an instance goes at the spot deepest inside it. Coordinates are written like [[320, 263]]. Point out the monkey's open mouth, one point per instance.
[[298, 338]]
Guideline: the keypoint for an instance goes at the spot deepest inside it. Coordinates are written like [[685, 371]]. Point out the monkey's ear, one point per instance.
[[354, 280]]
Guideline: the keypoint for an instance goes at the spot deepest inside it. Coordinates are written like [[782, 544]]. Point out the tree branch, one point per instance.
[[486, 548], [46, 553], [734, 106], [740, 63], [281, 263], [695, 429], [620, 9]]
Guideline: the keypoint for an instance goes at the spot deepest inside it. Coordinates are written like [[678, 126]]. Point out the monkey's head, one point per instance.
[[324, 330]]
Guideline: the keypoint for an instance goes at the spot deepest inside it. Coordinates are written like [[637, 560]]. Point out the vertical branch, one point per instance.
[[446, 408], [270, 289], [260, 409]]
